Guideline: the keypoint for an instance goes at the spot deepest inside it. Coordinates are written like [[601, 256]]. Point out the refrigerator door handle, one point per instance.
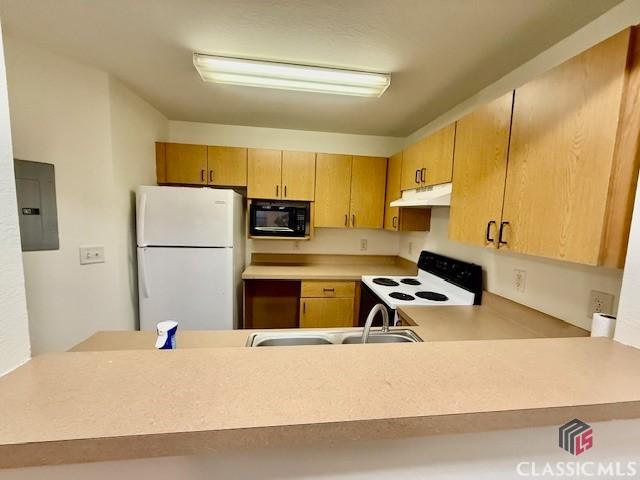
[[142, 211], [143, 274]]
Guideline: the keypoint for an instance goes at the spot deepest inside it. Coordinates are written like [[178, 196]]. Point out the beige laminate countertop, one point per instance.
[[91, 406], [325, 267], [497, 318]]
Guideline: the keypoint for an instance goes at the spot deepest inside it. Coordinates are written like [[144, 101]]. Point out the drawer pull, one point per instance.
[[328, 289]]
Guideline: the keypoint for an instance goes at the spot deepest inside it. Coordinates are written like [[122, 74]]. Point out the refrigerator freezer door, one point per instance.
[[187, 217], [193, 286]]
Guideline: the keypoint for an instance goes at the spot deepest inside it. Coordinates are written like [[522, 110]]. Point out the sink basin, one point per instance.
[[384, 338], [286, 341], [322, 337]]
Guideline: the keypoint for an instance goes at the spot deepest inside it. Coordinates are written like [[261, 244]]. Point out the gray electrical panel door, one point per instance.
[[36, 191]]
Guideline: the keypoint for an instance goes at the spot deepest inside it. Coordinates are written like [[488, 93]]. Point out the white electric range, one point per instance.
[[441, 281]]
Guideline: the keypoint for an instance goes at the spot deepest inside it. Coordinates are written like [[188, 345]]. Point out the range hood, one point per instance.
[[435, 196]]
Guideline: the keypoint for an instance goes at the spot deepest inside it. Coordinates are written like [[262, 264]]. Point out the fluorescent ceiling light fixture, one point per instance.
[[286, 76]]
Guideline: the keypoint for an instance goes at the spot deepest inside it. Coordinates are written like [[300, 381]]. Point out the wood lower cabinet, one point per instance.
[[185, 164], [295, 303], [326, 312], [479, 172], [333, 190], [264, 174], [298, 175], [327, 304], [227, 166]]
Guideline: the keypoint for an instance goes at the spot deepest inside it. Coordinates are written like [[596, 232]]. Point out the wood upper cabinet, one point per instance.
[[392, 192], [298, 175], [401, 219], [429, 161], [227, 166], [264, 174], [368, 179], [566, 161], [333, 190], [412, 165], [185, 164], [438, 156], [567, 189], [479, 171]]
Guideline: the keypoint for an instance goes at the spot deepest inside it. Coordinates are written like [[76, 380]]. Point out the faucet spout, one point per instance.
[[385, 321]]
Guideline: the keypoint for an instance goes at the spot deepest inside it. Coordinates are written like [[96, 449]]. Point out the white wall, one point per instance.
[[14, 332], [100, 138], [478, 456], [326, 240]]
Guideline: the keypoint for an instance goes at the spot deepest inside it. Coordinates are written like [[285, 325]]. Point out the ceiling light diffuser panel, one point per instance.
[[285, 76]]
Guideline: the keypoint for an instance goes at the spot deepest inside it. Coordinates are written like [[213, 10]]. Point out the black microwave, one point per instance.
[[279, 219]]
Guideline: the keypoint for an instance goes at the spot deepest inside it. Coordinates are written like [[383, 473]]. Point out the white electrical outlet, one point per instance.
[[363, 244], [91, 254], [520, 280], [410, 248], [600, 302]]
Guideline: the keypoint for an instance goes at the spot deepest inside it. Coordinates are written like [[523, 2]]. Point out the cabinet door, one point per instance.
[[479, 171], [227, 166], [298, 175], [560, 157], [333, 190], [264, 173], [412, 163], [186, 164], [392, 192], [326, 312], [438, 156], [368, 179]]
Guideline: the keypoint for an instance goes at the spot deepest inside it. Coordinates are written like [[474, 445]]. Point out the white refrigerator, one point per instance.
[[190, 257]]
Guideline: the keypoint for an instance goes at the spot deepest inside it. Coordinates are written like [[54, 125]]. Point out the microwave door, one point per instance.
[[274, 229]]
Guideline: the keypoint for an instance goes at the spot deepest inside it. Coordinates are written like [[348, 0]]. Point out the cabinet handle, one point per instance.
[[416, 177], [202, 175], [210, 176], [488, 232], [285, 191], [394, 222], [277, 190], [304, 307], [423, 175], [353, 220], [500, 240], [328, 291], [346, 220]]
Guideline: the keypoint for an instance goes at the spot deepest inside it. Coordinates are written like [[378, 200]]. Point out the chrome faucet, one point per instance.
[[367, 325]]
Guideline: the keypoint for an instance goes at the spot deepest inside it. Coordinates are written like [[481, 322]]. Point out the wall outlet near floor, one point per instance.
[[363, 244], [520, 280], [91, 254], [600, 302]]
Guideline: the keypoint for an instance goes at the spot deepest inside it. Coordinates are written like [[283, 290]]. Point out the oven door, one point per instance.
[[273, 221], [368, 300]]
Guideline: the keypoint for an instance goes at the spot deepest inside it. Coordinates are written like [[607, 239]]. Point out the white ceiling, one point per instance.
[[439, 52]]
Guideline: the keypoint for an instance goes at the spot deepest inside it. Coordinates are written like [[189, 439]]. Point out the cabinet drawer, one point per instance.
[[323, 288], [326, 312]]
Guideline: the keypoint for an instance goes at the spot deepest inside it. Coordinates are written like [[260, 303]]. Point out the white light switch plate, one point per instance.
[[91, 254]]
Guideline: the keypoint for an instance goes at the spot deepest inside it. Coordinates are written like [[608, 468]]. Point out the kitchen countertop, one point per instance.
[[320, 267], [92, 406], [496, 318]]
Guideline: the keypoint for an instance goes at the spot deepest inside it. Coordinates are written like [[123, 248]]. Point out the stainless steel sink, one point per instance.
[[321, 337]]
